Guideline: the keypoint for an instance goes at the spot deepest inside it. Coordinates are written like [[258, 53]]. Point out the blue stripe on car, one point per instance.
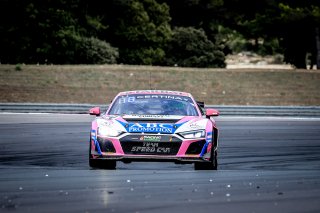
[[96, 143], [208, 140]]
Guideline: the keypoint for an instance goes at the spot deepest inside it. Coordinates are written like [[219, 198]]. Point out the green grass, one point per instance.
[[99, 84]]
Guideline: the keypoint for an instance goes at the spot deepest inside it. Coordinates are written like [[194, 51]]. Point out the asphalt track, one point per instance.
[[265, 165]]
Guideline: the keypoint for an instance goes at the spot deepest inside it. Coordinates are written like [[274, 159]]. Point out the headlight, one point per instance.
[[193, 134], [107, 131]]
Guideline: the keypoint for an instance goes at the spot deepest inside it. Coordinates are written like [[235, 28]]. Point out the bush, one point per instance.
[[190, 47], [142, 56], [18, 67], [95, 51]]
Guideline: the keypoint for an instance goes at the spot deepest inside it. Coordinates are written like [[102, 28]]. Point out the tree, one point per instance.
[[299, 33], [190, 47], [292, 23], [140, 31], [41, 32], [46, 31]]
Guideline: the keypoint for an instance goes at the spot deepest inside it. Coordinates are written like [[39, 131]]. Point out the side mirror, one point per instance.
[[95, 111], [212, 112]]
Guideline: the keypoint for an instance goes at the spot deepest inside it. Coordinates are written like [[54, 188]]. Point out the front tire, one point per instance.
[[211, 165], [101, 163]]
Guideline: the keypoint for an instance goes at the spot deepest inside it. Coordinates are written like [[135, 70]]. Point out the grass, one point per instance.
[[100, 83]]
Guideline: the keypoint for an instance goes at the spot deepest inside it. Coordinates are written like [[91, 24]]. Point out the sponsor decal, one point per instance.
[[172, 97], [103, 122], [195, 126], [150, 148], [132, 98], [151, 138], [150, 116], [109, 117], [150, 127]]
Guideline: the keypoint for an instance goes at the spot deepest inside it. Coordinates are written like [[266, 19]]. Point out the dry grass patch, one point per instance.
[[98, 84]]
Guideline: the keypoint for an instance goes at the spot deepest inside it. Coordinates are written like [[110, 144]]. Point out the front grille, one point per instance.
[[151, 148], [149, 138]]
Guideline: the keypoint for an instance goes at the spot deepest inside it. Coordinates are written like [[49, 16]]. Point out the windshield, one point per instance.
[[153, 105]]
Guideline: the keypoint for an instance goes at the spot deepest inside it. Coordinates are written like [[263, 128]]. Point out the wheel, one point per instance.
[[211, 165], [101, 163]]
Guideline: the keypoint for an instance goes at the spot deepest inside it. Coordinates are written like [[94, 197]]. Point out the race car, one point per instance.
[[154, 125]]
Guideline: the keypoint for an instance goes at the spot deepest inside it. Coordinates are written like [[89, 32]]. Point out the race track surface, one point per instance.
[[265, 165]]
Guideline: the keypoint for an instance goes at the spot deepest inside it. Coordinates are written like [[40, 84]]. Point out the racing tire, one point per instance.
[[211, 165], [101, 163]]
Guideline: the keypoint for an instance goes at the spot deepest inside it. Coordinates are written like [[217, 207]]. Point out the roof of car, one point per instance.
[[167, 92]]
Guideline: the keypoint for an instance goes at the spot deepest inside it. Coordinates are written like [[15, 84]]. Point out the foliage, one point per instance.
[[190, 47], [299, 31], [78, 31], [278, 26], [43, 31], [95, 51], [195, 13], [18, 67], [141, 31]]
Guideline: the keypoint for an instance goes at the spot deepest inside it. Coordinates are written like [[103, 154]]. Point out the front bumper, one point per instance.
[[134, 147], [152, 158]]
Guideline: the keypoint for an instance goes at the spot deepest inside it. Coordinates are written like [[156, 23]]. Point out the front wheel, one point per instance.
[[101, 163], [211, 165]]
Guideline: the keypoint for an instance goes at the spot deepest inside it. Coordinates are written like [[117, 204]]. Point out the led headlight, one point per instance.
[[107, 131], [193, 134]]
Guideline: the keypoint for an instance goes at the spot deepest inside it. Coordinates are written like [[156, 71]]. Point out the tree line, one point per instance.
[[189, 33]]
